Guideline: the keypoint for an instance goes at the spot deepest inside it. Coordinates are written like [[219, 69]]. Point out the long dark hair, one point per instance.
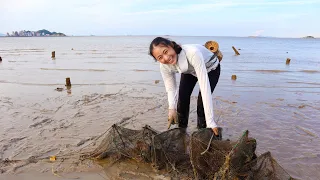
[[165, 42]]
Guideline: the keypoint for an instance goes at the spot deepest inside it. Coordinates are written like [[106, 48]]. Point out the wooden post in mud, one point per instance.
[[234, 77], [236, 51], [68, 82], [53, 54], [288, 61]]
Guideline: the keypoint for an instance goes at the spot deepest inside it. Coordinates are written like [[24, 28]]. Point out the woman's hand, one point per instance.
[[172, 117], [215, 131]]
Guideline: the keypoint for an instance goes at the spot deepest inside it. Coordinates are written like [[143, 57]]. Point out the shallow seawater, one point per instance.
[[113, 79]]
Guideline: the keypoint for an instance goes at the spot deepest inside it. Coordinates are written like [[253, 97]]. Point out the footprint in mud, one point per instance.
[[15, 114], [14, 140], [78, 114], [96, 109], [62, 126]]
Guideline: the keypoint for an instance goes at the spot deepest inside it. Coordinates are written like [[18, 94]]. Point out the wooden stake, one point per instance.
[[235, 50], [53, 54], [68, 82], [234, 77], [288, 61]]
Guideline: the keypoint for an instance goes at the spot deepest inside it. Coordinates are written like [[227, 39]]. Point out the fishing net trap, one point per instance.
[[199, 155]]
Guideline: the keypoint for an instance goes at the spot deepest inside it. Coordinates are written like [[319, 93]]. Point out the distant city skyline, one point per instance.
[[275, 18], [28, 33]]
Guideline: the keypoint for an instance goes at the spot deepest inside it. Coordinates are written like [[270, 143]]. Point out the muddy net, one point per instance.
[[200, 155]]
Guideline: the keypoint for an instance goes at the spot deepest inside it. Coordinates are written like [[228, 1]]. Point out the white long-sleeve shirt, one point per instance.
[[197, 60]]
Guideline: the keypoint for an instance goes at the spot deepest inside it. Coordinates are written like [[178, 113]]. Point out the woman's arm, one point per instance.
[[197, 61], [169, 79]]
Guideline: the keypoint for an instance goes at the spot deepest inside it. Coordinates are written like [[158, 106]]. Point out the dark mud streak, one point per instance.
[[45, 121], [83, 141]]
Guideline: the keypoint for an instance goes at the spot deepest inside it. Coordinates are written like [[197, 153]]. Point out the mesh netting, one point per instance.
[[266, 167], [121, 142], [199, 156], [170, 151], [207, 159], [241, 154]]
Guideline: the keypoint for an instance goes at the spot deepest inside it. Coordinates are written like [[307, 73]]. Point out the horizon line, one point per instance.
[[122, 35]]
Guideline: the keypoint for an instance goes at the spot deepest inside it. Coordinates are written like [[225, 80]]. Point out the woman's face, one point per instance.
[[164, 54]]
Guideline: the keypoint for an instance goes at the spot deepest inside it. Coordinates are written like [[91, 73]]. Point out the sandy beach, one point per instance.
[[114, 81]]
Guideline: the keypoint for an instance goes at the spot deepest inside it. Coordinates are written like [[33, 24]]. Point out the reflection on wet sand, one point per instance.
[[56, 84], [18, 61], [310, 71], [59, 69], [142, 70], [279, 71]]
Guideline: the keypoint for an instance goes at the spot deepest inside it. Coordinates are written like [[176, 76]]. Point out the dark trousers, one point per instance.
[[187, 83]]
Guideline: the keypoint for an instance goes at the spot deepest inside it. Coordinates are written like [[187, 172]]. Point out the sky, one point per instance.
[[277, 18]]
